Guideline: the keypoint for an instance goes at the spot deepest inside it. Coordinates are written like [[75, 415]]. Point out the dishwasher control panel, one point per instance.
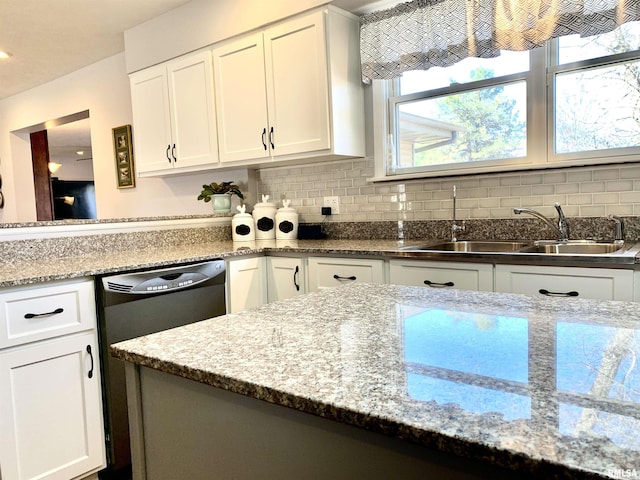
[[164, 280]]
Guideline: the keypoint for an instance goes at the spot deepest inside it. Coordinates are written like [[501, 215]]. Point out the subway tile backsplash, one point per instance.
[[583, 192]]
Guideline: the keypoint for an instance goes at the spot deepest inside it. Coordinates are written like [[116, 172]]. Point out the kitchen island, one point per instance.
[[384, 381]]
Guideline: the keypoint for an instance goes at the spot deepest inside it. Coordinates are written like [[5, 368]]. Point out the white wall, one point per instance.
[[103, 90]]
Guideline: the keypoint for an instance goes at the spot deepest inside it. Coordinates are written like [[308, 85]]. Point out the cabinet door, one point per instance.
[[464, 276], [51, 410], [285, 278], [190, 81], [332, 272], [241, 99], [152, 140], [297, 85], [571, 282], [246, 284]]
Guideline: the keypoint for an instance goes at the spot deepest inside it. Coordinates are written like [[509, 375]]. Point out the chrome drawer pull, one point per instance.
[[35, 315]]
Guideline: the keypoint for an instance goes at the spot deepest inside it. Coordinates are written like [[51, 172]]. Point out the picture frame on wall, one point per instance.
[[123, 151]]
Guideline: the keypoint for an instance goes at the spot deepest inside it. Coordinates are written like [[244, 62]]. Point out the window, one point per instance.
[[575, 101]]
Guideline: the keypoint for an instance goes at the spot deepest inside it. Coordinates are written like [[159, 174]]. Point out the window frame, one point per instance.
[[540, 117]]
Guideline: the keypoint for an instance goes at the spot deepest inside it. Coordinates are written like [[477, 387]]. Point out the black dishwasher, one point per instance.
[[141, 303]]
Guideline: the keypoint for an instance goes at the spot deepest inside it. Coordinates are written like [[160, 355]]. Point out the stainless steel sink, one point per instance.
[[580, 248], [586, 252], [481, 246]]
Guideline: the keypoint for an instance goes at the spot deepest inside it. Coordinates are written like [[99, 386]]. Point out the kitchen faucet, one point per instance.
[[619, 228], [561, 229], [455, 228]]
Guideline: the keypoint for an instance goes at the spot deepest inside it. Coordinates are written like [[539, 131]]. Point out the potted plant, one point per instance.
[[219, 194]]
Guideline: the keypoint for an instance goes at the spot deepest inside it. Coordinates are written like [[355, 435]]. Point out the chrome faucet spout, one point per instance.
[[563, 225], [561, 229], [455, 228], [618, 229]]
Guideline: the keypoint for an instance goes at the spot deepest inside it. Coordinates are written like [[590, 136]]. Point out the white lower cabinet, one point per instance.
[[326, 272], [50, 391], [571, 282], [464, 276], [246, 284], [255, 281], [285, 278]]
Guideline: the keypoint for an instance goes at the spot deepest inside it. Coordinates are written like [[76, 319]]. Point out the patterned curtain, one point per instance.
[[421, 34]]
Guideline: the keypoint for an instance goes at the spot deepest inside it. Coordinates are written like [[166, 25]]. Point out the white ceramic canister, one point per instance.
[[264, 216], [242, 226], [286, 222]]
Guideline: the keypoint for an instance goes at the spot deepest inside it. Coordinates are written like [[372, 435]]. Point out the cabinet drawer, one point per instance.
[[34, 313], [594, 283], [464, 276], [332, 272]]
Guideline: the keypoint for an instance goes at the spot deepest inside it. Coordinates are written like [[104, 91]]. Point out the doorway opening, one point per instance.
[[63, 169]]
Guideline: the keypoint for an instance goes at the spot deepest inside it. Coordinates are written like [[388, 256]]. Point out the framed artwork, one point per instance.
[[124, 157]]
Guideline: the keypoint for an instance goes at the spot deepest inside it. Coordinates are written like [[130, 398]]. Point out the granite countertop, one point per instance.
[[542, 386], [64, 266]]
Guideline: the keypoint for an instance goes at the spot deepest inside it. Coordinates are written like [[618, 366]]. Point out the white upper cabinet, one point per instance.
[[174, 126], [241, 99], [291, 91], [297, 85]]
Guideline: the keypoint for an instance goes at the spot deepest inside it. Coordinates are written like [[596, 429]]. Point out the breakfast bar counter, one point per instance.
[[368, 381]]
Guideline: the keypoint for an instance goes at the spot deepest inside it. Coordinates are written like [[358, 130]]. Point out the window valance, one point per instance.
[[421, 34]]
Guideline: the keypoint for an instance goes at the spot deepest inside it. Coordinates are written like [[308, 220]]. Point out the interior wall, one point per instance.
[[103, 90]]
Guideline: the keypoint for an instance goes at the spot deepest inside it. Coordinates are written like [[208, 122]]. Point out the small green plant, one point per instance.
[[219, 188]]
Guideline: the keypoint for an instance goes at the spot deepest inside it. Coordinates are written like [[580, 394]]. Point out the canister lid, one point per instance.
[[265, 203], [286, 207], [242, 214]]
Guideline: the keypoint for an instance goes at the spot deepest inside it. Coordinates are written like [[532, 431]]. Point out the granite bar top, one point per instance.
[[542, 386]]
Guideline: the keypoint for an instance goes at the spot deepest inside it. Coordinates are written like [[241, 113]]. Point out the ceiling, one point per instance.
[[49, 39]]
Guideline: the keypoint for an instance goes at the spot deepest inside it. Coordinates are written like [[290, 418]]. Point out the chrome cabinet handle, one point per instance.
[[544, 291], [295, 278], [273, 147], [338, 277], [264, 137], [46, 314], [90, 374], [168, 157], [429, 283]]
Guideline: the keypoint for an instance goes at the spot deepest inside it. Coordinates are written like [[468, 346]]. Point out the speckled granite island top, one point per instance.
[[542, 386]]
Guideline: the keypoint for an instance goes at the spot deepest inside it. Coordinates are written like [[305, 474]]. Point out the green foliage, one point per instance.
[[219, 188], [490, 121]]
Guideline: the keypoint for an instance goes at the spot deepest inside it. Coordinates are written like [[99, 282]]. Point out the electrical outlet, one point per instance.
[[334, 203]]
